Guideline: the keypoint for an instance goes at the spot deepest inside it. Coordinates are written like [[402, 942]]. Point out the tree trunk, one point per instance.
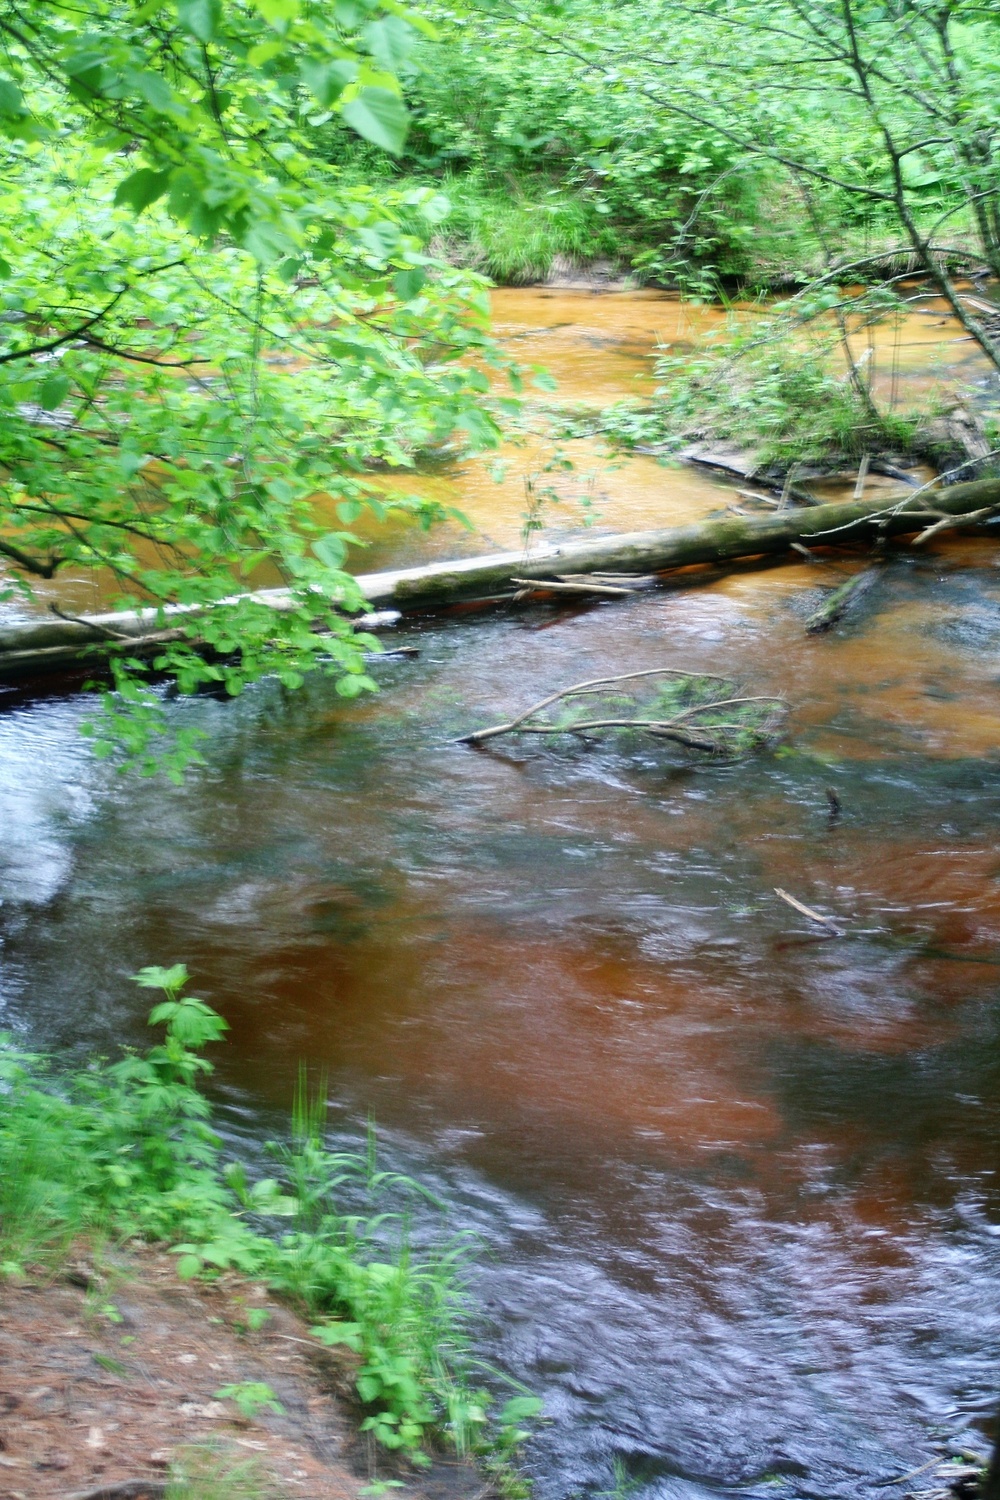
[[34, 647]]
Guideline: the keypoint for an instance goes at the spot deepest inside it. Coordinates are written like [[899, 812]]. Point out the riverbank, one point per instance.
[[119, 1379], [99, 1162]]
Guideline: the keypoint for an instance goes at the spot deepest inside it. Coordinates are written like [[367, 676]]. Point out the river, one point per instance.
[[735, 1184]]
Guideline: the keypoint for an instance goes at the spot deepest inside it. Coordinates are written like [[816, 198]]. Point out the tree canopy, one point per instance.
[[209, 339]]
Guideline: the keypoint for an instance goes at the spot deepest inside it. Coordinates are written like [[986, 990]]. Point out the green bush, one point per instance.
[[778, 384]]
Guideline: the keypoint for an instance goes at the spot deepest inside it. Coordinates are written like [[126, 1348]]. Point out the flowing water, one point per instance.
[[736, 1182]]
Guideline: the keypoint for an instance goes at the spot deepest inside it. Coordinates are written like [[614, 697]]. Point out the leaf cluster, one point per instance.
[[212, 345]]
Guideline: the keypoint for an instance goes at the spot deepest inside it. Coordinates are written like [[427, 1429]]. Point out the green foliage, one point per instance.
[[250, 1398], [542, 158], [209, 339], [738, 140], [784, 383], [516, 236], [125, 1150]]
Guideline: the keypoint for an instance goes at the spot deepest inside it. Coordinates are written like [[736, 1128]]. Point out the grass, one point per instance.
[[513, 228], [125, 1150], [204, 1472]]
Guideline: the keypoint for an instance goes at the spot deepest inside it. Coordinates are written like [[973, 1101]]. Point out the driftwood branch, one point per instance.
[[579, 690], [681, 727], [807, 911], [560, 586], [948, 523]]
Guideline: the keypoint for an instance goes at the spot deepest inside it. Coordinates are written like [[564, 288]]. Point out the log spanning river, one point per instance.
[[735, 1182]]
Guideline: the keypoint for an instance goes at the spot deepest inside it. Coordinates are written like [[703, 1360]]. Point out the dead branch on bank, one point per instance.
[[698, 711]]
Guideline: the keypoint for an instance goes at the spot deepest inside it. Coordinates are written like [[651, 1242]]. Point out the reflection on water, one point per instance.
[[737, 1183]]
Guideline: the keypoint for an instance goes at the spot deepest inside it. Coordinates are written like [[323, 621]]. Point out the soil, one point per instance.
[[111, 1374]]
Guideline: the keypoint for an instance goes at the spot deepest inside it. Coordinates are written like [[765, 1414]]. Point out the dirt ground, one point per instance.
[[111, 1374]]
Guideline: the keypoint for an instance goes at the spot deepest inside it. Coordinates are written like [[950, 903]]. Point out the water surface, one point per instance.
[[736, 1183]]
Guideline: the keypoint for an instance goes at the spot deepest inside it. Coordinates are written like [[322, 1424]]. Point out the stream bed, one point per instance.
[[735, 1182]]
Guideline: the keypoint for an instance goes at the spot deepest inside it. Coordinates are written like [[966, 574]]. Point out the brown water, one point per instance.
[[737, 1184]]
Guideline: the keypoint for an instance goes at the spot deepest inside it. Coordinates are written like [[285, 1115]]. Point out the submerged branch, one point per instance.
[[721, 737]]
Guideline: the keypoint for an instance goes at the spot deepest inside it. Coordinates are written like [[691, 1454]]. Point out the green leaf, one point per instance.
[[155, 978], [390, 42], [381, 238], [152, 87], [520, 1409], [141, 188], [265, 52], [53, 391], [543, 381], [278, 12], [11, 102], [348, 13], [332, 1334], [266, 242], [327, 80], [330, 550], [380, 117], [82, 64], [200, 17], [5, 268], [479, 427], [409, 284]]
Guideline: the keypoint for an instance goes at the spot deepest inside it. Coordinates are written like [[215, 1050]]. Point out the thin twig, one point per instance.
[[103, 632], [807, 911], [549, 585], [930, 1464], [949, 523]]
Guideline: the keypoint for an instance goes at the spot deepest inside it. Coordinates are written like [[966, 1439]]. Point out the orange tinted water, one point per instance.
[[736, 1180]]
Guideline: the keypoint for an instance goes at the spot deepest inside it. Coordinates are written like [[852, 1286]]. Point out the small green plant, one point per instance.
[[250, 1319], [624, 1484], [541, 494], [498, 1453], [250, 1398]]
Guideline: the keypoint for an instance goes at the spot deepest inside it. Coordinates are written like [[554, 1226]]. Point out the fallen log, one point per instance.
[[836, 603], [36, 646]]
